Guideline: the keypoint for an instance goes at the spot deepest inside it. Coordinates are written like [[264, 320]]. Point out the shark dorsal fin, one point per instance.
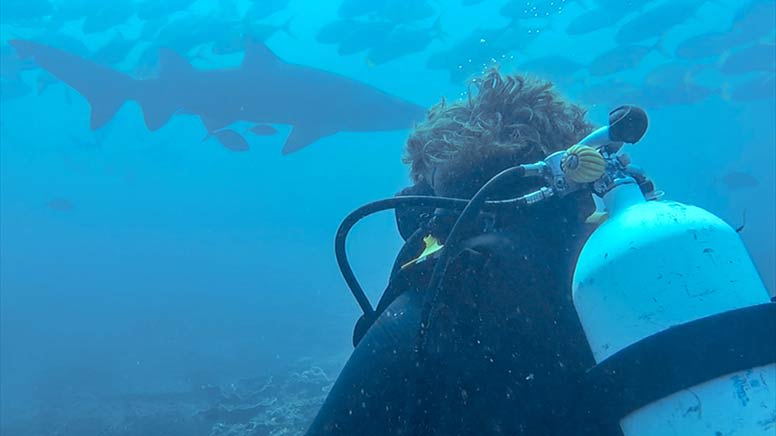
[[258, 55], [171, 64]]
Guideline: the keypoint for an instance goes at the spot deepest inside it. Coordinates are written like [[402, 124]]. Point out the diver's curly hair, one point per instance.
[[512, 117]]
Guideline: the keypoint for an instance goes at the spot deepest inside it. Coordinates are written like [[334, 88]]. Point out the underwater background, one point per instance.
[[153, 282]]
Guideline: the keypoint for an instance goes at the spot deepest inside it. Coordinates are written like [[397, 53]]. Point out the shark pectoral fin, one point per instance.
[[158, 106], [156, 113], [103, 111], [301, 138]]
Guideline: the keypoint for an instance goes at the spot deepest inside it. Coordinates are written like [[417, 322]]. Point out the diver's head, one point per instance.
[[506, 121]]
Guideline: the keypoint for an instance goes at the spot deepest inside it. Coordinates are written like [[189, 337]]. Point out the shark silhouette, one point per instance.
[[263, 90]]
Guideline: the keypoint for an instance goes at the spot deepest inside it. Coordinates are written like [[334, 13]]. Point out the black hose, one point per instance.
[[455, 237], [452, 247], [386, 204]]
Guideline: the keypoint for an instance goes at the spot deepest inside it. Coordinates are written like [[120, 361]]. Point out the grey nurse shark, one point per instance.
[[263, 90]]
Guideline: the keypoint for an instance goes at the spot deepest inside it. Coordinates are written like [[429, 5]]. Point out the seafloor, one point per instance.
[[280, 404]]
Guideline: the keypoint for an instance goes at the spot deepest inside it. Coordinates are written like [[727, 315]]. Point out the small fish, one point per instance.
[[366, 36], [150, 9], [556, 68], [108, 16], [263, 130], [609, 93], [261, 9], [761, 87], [229, 139], [234, 41], [673, 94], [336, 31], [673, 73], [757, 58], [712, 44], [735, 180], [70, 10], [654, 22], [114, 51], [60, 204], [192, 31], [406, 11], [755, 20], [357, 8], [24, 11], [481, 49], [594, 19], [262, 32], [620, 58], [403, 41], [395, 11]]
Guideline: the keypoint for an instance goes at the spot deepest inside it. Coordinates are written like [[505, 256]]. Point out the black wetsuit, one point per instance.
[[504, 352]]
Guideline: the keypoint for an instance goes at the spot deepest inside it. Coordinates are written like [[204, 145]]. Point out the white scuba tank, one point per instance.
[[656, 264]]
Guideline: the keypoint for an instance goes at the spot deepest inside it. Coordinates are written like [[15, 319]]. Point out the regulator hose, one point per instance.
[[456, 235], [362, 212], [452, 247]]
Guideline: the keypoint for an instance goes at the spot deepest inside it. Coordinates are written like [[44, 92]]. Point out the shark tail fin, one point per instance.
[[105, 89]]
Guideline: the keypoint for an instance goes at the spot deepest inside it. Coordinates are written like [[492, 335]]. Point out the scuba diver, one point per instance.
[[496, 319]]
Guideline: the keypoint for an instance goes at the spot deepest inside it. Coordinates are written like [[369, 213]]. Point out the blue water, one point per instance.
[[144, 262]]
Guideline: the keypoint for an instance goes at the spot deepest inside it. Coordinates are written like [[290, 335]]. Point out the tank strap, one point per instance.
[[678, 358]]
